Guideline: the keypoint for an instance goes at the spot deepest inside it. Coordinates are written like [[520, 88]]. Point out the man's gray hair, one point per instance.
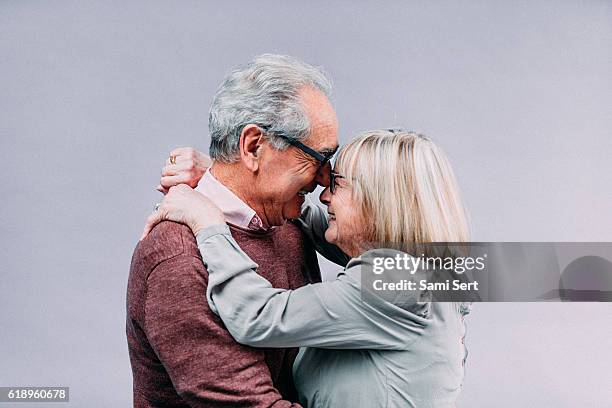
[[264, 92]]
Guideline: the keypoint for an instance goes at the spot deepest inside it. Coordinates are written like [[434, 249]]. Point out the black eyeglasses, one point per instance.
[[322, 158], [332, 181]]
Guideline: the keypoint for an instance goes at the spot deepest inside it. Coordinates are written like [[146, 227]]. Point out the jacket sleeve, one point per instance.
[[326, 315], [207, 368], [313, 223]]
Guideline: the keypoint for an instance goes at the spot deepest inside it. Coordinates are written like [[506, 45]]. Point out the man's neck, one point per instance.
[[240, 182]]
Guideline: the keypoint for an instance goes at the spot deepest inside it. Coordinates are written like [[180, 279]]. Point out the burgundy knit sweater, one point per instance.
[[181, 353]]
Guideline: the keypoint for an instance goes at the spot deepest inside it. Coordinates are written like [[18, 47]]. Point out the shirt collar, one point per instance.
[[235, 210]]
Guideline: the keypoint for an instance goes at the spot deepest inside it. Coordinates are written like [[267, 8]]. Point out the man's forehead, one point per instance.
[[323, 139], [323, 121]]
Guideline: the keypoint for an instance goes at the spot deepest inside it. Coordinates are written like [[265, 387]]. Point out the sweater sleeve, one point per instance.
[[326, 315], [206, 367]]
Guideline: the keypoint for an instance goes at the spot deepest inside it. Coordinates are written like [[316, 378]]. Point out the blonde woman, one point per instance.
[[387, 186]]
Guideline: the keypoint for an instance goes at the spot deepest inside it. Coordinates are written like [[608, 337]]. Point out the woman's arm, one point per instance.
[[326, 315], [191, 164]]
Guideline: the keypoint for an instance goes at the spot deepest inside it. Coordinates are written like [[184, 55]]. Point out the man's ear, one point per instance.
[[251, 142]]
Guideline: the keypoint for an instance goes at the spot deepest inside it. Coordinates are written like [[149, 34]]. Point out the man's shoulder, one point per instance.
[[167, 240]]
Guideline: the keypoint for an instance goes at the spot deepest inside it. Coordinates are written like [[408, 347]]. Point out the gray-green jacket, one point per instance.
[[370, 354]]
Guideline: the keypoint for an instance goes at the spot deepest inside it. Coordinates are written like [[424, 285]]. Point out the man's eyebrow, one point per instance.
[[328, 151]]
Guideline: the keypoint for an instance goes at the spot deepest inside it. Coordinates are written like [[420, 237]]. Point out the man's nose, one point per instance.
[[322, 177], [325, 196]]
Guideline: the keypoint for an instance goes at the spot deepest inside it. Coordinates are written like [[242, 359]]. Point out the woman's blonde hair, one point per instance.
[[406, 187]]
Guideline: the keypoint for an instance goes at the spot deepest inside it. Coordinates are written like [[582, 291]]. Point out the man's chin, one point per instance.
[[294, 209], [294, 215]]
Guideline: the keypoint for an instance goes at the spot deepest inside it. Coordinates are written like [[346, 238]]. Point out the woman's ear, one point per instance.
[[251, 142]]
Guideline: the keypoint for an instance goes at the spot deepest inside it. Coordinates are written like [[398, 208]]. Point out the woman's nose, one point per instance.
[[325, 196]]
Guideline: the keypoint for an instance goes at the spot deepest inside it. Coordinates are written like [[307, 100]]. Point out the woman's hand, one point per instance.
[[187, 167], [185, 205]]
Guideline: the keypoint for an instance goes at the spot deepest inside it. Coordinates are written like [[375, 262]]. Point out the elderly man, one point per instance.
[[272, 129]]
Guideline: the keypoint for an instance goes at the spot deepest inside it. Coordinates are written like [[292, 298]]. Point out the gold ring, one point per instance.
[[173, 159]]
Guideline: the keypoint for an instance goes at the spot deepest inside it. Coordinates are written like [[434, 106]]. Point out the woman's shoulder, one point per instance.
[[386, 264], [386, 278]]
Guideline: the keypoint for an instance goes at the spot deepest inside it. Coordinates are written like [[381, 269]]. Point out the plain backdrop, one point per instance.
[[94, 95]]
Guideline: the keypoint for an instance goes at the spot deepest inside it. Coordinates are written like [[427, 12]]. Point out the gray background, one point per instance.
[[94, 95]]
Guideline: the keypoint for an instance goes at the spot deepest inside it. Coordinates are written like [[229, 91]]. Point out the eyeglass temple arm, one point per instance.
[[312, 152]]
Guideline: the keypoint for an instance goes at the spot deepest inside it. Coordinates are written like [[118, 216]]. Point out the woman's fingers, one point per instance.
[[203, 160], [190, 154], [184, 205], [178, 168], [166, 209], [171, 181], [152, 221], [183, 152], [187, 166]]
